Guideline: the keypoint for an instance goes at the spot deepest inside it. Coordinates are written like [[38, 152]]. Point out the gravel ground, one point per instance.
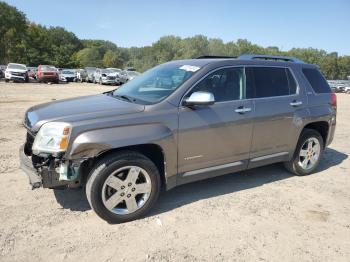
[[264, 214]]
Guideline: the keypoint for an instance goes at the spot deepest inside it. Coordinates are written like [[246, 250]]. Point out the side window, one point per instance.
[[316, 80], [268, 82], [225, 84]]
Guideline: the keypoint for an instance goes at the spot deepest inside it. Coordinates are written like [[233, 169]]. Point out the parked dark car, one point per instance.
[[177, 123], [32, 72], [2, 71], [47, 73]]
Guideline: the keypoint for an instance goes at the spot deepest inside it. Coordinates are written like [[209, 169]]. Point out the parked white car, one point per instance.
[[69, 75], [16, 72], [347, 89], [105, 76]]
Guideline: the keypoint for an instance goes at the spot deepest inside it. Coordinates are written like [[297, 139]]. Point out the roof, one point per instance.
[[247, 59]]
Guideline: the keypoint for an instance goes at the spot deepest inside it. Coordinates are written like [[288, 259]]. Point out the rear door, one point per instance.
[[278, 100]]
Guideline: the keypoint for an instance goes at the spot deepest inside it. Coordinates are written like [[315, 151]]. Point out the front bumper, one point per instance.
[[108, 81], [49, 78], [40, 177], [27, 166], [15, 77], [70, 79]]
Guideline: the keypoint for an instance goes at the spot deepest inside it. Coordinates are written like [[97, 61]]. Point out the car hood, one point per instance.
[[16, 70], [113, 74], [68, 75], [78, 109]]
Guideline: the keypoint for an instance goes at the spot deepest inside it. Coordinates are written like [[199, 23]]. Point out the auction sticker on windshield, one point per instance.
[[190, 68]]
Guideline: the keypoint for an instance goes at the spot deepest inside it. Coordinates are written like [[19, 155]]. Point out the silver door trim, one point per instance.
[[260, 158], [213, 168], [243, 110], [296, 103]]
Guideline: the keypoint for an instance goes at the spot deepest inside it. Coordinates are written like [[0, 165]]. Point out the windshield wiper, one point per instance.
[[125, 98]]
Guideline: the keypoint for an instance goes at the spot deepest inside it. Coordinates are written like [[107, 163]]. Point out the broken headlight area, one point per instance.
[[57, 172], [50, 171]]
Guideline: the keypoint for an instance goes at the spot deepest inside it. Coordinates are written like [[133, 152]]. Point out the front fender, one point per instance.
[[94, 142]]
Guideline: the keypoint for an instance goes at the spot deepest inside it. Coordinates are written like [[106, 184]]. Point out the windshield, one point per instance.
[[114, 70], [106, 71], [14, 66], [156, 84], [90, 69], [67, 72], [48, 68]]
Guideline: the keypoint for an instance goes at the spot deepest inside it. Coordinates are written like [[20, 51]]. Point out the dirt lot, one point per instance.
[[259, 215]]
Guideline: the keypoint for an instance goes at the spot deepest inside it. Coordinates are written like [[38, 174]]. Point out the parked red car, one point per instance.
[[47, 73]]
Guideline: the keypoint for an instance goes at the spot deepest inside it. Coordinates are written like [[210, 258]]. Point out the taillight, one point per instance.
[[334, 101]]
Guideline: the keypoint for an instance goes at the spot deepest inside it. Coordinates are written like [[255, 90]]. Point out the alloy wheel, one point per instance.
[[309, 153], [126, 190]]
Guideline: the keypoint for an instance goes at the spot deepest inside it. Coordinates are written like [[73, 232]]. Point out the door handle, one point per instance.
[[296, 103], [242, 110]]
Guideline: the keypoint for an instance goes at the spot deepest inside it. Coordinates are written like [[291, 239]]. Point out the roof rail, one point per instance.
[[214, 56], [270, 57]]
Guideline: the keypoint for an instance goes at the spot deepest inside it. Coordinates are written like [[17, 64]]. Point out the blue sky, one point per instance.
[[295, 23]]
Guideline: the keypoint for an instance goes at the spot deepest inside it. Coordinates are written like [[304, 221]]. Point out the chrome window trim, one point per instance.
[[245, 80]]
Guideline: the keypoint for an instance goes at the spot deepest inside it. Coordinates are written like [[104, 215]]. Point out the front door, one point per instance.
[[218, 135]]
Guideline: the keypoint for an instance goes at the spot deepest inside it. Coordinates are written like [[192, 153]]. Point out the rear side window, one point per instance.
[[316, 80], [269, 82]]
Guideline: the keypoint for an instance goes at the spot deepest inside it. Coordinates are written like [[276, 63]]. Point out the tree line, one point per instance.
[[25, 42]]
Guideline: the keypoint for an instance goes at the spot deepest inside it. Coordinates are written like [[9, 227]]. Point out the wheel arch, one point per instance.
[[152, 151], [321, 127]]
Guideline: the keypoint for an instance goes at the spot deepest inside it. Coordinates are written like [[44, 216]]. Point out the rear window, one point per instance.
[[316, 80], [269, 82]]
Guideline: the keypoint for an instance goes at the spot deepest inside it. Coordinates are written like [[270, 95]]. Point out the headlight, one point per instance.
[[52, 138]]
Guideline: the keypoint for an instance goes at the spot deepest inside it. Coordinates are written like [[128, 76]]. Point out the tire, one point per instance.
[[100, 175], [295, 165], [6, 80]]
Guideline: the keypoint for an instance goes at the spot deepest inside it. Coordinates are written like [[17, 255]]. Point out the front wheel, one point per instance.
[[307, 154], [123, 187]]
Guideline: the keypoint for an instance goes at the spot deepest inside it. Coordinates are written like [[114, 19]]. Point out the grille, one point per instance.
[[111, 77], [17, 74]]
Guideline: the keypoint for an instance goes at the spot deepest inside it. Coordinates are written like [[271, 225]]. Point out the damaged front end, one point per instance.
[[48, 170]]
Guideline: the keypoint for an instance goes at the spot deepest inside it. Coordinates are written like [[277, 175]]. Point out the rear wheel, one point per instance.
[[123, 187], [307, 154]]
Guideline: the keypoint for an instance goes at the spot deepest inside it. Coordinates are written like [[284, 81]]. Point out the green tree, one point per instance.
[[13, 27], [64, 44], [38, 49], [89, 56]]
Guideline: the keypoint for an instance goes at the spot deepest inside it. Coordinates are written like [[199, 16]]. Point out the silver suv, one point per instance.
[[180, 122]]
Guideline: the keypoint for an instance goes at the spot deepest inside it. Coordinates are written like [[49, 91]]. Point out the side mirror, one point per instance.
[[200, 98]]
